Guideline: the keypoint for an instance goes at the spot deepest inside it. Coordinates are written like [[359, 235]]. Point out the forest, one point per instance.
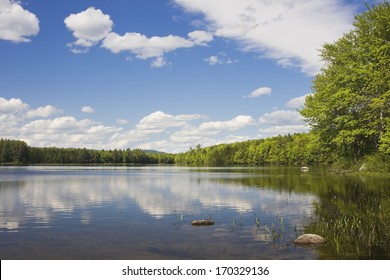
[[15, 152], [290, 149], [348, 113], [281, 150]]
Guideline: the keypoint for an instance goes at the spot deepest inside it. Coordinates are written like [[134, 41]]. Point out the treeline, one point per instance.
[[13, 152], [18, 152], [281, 150], [296, 149]]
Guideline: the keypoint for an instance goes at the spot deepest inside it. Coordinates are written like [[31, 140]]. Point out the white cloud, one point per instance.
[[200, 37], [283, 130], [9, 125], [159, 62], [12, 105], [144, 47], [88, 27], [290, 32], [16, 23], [92, 25], [220, 58], [78, 133], [121, 121], [15, 123], [16, 107], [43, 112], [282, 117], [297, 102], [14, 112], [158, 130], [206, 132], [212, 60], [158, 121], [153, 47], [259, 92], [233, 124], [190, 134], [282, 122], [87, 109]]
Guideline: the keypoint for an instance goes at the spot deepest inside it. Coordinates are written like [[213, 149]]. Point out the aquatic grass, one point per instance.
[[257, 222], [272, 231], [352, 233], [179, 216]]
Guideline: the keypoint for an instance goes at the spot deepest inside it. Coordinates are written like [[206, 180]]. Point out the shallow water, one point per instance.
[[146, 212]]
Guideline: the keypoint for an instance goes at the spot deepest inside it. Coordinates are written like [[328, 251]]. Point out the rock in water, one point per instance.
[[202, 222], [304, 169], [309, 240]]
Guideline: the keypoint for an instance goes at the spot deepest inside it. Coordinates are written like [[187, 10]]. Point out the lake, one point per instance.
[[72, 212]]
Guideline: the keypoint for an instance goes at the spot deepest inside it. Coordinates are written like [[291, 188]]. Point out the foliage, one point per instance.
[[18, 152], [89, 156], [378, 162], [13, 152], [289, 149], [349, 109]]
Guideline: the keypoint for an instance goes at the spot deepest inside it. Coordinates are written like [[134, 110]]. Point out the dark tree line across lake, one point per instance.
[[17, 152], [296, 149], [289, 149]]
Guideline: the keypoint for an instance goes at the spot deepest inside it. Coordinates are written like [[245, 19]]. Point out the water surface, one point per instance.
[[146, 212]]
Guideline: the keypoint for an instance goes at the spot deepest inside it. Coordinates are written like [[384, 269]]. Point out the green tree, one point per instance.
[[349, 107]]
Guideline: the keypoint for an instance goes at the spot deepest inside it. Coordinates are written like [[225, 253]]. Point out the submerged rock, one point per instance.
[[309, 240], [202, 223]]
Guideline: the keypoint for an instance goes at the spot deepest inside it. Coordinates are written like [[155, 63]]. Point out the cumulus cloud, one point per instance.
[[202, 134], [16, 123], [259, 92], [282, 122], [144, 47], [159, 62], [12, 114], [191, 134], [43, 112], [297, 102], [158, 121], [283, 130], [92, 26], [121, 121], [282, 117], [290, 32], [158, 130], [233, 124], [12, 105], [16, 107], [16, 23], [52, 132], [200, 37], [88, 27], [87, 109], [220, 58], [156, 47]]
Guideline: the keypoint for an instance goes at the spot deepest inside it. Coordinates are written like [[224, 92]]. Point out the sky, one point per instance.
[[161, 74]]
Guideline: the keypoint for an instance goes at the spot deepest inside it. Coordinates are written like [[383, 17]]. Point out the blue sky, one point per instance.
[[160, 74]]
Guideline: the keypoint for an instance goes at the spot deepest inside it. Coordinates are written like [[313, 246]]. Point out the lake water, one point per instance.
[[57, 212]]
